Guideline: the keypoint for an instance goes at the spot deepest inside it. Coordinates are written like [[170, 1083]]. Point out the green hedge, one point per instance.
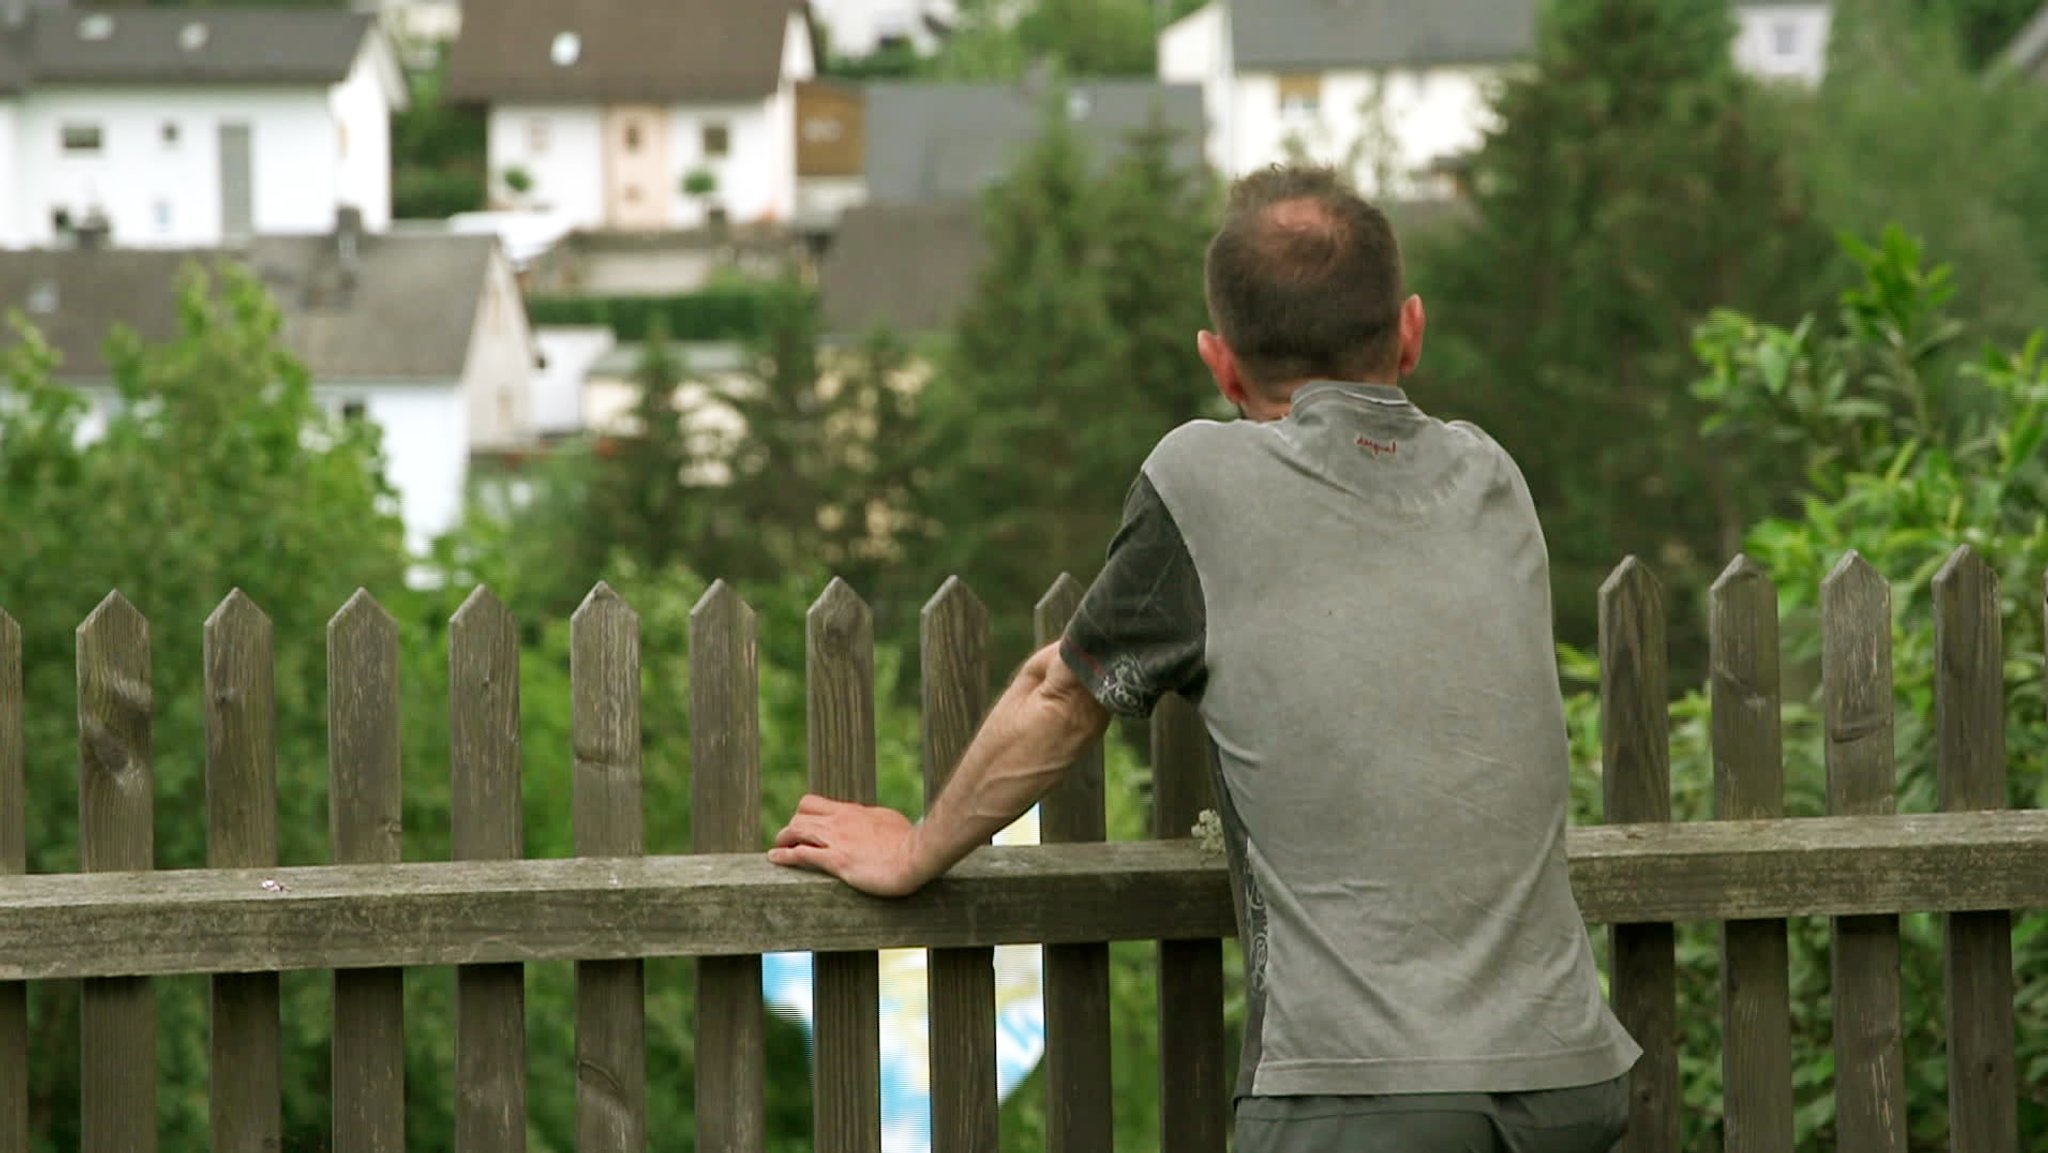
[[732, 313]]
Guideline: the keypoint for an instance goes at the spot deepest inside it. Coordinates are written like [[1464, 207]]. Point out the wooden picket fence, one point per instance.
[[366, 917]]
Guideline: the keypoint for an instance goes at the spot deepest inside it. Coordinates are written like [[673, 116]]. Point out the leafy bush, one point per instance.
[[1909, 450], [727, 312]]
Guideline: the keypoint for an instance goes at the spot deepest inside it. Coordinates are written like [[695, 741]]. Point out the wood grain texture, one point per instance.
[[725, 817], [487, 823], [364, 794], [846, 1024], [1194, 1070], [241, 805], [1856, 677], [115, 793], [611, 1006], [1635, 728], [1969, 721], [480, 912], [960, 983], [1749, 783], [1079, 1078], [13, 862]]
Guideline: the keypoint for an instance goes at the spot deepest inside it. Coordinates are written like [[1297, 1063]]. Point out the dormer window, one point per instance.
[[566, 50], [42, 299]]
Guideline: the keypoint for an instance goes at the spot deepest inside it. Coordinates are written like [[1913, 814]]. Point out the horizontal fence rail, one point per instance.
[[120, 922]]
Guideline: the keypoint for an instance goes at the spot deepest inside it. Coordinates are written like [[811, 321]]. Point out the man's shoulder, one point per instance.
[[1196, 445]]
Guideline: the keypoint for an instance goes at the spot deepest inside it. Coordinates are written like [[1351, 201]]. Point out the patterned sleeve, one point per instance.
[[1142, 630]]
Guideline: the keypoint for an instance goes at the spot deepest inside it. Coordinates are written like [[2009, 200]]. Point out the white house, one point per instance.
[[192, 127], [859, 28], [1395, 93], [424, 336], [639, 114]]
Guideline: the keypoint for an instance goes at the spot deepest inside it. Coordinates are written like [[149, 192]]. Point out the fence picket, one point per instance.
[[846, 1025], [1749, 782], [241, 806], [611, 1007], [1969, 721], [953, 634], [486, 823], [1635, 729], [725, 817], [115, 785], [1194, 1074], [1856, 677], [1079, 1082], [13, 862], [364, 809]]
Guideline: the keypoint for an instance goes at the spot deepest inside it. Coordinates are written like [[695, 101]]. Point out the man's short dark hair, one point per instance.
[[1304, 279]]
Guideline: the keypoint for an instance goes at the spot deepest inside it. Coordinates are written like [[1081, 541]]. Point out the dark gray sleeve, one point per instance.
[[1142, 629]]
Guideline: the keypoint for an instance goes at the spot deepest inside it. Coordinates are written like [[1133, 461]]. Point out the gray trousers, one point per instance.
[[1590, 1119]]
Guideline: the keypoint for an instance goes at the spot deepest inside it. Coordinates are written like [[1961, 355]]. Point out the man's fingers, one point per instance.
[[802, 829], [815, 857], [817, 805]]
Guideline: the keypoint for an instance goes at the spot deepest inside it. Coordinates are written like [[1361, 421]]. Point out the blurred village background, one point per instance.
[[414, 295]]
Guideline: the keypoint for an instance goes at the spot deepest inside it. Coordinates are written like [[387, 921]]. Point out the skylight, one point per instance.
[[192, 37], [95, 26], [566, 50]]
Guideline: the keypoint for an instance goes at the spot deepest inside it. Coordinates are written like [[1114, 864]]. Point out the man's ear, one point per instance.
[[1413, 323], [1223, 366]]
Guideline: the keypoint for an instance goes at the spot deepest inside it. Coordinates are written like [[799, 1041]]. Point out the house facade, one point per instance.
[[854, 29], [192, 128], [423, 336], [639, 115], [1396, 94]]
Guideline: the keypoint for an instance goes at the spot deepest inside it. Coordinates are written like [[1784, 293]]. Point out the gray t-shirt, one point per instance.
[[1358, 599]]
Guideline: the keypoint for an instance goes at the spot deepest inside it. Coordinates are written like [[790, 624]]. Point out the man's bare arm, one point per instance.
[[1036, 730]]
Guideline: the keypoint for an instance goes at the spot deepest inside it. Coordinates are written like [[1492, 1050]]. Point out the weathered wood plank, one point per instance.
[[1079, 1082], [960, 983], [1969, 721], [1856, 676], [611, 1005], [241, 806], [13, 862], [115, 787], [725, 817], [1194, 1070], [1749, 783], [364, 810], [846, 1024], [481, 912], [486, 822], [1635, 728]]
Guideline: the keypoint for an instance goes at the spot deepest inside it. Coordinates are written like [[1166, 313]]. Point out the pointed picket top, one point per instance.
[[1964, 571], [361, 616], [1851, 572], [837, 610], [603, 601], [721, 605], [1631, 576], [10, 632], [956, 601], [238, 615], [1741, 570], [481, 612], [115, 615], [1056, 607]]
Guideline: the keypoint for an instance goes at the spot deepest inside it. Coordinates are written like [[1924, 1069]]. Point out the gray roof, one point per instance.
[[2029, 51], [193, 46], [1319, 35], [654, 50], [906, 267], [409, 317], [949, 141]]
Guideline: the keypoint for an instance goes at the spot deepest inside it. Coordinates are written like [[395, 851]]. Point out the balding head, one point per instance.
[[1304, 281]]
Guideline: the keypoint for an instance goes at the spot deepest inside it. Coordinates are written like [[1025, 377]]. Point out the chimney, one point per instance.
[[93, 232], [348, 242]]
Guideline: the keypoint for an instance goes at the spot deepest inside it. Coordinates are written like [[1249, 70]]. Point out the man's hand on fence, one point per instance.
[[872, 849]]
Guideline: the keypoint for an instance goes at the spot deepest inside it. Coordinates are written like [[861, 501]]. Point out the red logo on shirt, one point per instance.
[[1377, 448]]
